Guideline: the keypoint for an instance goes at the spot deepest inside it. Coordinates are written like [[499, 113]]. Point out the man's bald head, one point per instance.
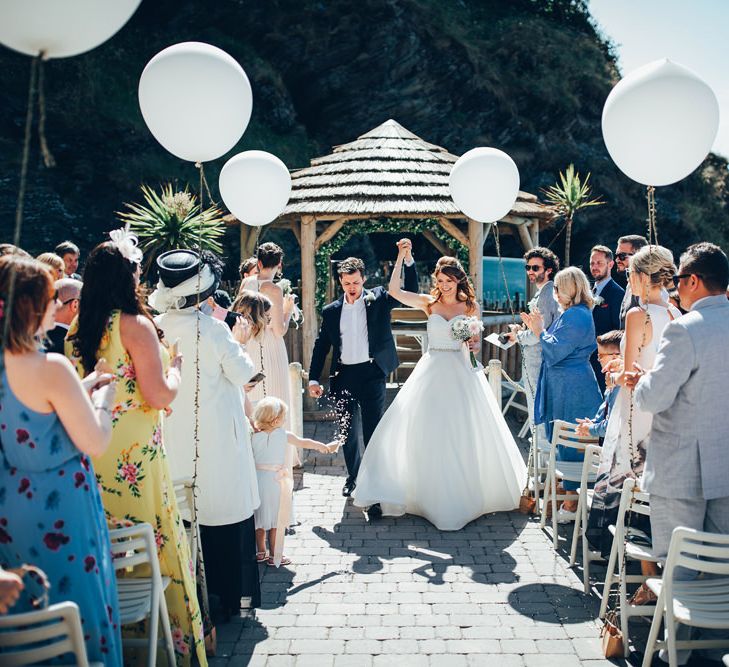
[[69, 295]]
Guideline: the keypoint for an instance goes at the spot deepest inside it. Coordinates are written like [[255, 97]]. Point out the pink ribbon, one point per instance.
[[285, 479]]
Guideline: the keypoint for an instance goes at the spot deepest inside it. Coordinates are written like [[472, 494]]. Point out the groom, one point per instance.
[[357, 328]]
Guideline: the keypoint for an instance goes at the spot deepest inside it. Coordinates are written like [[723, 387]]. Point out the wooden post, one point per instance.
[[296, 409], [308, 285], [495, 379], [534, 231], [475, 264]]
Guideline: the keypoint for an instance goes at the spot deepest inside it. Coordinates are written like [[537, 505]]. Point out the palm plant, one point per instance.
[[569, 196], [172, 219]]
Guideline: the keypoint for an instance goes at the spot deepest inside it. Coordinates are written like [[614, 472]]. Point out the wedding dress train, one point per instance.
[[442, 450]]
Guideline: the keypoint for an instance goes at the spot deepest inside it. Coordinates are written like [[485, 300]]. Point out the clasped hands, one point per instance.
[[533, 321], [405, 249]]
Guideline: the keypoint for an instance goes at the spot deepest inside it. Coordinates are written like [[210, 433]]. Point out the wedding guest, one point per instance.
[[687, 467], [248, 267], [269, 351], [220, 458], [356, 328], [222, 298], [675, 300], [10, 249], [567, 388], [68, 292], [608, 297], [51, 513], [70, 254], [627, 247], [54, 263], [275, 483], [114, 324], [541, 264]]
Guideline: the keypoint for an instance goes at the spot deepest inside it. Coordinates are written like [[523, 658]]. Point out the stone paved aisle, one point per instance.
[[400, 592]]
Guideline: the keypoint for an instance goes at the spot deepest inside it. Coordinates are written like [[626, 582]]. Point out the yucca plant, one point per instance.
[[569, 196], [172, 219]]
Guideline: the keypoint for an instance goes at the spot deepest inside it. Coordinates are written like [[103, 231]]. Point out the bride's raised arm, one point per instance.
[[411, 299]]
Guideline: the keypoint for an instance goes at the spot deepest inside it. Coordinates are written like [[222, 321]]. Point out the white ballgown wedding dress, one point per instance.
[[442, 450]]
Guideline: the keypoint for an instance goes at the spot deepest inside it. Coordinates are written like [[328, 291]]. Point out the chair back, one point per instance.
[[37, 636], [592, 462], [135, 546], [185, 500], [639, 501], [697, 550], [564, 434]]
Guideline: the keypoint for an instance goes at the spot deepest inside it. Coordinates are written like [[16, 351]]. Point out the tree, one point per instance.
[[569, 196], [171, 220]]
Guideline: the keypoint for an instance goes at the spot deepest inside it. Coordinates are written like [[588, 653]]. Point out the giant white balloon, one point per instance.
[[196, 100], [660, 122], [61, 28], [255, 187], [484, 184]]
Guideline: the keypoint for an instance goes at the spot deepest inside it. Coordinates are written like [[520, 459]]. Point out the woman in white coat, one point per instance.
[[221, 462]]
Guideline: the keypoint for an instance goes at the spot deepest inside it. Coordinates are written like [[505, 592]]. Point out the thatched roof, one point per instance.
[[388, 171]]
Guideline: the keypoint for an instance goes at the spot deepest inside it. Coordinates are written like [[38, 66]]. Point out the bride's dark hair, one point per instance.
[[451, 267]]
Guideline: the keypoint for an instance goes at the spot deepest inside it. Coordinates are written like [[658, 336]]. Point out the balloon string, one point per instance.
[[48, 158], [207, 189], [652, 229]]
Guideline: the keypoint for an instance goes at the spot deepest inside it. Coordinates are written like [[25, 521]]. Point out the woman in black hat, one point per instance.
[[220, 459]]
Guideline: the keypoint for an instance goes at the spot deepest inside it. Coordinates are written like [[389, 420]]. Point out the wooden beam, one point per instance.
[[453, 230], [526, 239], [475, 260], [248, 236], [534, 231], [441, 247], [308, 285], [329, 232], [295, 227]]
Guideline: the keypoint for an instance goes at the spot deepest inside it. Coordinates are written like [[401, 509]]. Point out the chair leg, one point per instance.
[[555, 533], [154, 617], [167, 631], [576, 531], [650, 646], [545, 500], [671, 640], [624, 611], [608, 578]]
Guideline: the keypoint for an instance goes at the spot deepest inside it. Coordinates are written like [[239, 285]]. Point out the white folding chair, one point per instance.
[[36, 636], [624, 549], [142, 597], [590, 467], [515, 388], [564, 434], [186, 507], [700, 603]]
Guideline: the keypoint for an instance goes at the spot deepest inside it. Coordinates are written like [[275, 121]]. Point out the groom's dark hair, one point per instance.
[[351, 265]]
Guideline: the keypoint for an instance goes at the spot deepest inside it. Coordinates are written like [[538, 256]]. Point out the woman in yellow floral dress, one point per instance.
[[113, 324]]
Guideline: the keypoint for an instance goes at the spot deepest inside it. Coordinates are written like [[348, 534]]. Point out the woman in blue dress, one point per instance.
[[567, 388], [50, 509]]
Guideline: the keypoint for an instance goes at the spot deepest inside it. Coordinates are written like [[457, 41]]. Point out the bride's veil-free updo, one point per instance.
[[656, 262], [451, 267]]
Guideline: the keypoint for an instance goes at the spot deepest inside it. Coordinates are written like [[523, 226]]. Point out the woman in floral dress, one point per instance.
[[114, 325], [50, 510]]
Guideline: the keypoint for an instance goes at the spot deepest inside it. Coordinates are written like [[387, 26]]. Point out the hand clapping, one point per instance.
[[534, 321]]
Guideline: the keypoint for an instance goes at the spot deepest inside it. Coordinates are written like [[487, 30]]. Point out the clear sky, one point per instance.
[[693, 33]]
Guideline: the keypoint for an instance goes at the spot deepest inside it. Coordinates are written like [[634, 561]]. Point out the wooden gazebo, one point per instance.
[[388, 172]]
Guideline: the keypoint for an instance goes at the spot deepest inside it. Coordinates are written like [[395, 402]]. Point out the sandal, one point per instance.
[[284, 561], [211, 643], [643, 595], [261, 556]]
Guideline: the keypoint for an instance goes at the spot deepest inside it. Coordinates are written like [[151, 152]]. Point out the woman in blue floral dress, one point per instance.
[[50, 509]]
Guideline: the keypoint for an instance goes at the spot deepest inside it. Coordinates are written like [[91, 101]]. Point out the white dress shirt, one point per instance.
[[353, 329], [599, 285]]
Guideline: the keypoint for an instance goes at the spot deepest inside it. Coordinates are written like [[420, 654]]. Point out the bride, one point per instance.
[[442, 450]]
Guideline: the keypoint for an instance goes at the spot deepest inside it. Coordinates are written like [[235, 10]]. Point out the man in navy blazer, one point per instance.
[[608, 298], [356, 327]]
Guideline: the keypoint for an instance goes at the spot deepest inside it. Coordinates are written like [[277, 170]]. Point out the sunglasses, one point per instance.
[[622, 256], [677, 279], [533, 267]]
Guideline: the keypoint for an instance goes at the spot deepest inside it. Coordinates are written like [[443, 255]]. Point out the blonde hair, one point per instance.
[[54, 261], [656, 262], [572, 284], [268, 413], [254, 307]]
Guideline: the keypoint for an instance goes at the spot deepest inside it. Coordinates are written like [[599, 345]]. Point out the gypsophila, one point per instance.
[[369, 297], [598, 300]]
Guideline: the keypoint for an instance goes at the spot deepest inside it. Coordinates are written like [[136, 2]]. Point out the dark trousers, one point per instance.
[[231, 570], [359, 392], [598, 372]]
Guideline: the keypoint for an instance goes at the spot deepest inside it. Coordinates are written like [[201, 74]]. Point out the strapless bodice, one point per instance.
[[439, 333]]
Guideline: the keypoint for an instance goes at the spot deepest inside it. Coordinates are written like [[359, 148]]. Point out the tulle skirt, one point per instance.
[[442, 450]]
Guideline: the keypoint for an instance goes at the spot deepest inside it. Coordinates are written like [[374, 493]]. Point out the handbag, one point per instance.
[[38, 577], [611, 636], [527, 502]]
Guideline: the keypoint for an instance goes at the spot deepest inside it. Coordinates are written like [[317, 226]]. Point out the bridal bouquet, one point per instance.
[[297, 317], [464, 328]]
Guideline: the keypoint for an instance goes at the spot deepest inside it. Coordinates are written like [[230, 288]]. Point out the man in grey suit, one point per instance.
[[687, 463], [541, 265]]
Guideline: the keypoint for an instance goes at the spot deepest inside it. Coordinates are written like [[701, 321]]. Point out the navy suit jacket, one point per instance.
[[607, 315], [378, 304]]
